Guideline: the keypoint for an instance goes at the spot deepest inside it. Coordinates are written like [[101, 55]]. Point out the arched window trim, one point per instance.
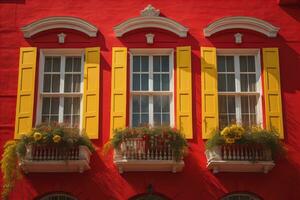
[[59, 22], [241, 22], [56, 194], [252, 196]]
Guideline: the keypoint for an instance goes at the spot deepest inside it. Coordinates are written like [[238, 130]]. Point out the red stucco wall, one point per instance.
[[195, 182]]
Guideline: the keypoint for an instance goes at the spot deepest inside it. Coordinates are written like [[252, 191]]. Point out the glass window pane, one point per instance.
[[77, 64], [252, 82], [252, 103], [145, 63], [135, 103], [145, 82], [46, 105], [45, 119], [157, 119], [76, 121], [165, 101], [156, 63], [76, 82], [229, 63], [243, 63], [223, 121], [222, 104], [135, 120], [68, 105], [54, 105], [48, 64], [56, 64], [76, 105], [165, 82], [144, 119], [67, 119], [144, 103], [221, 82], [69, 64], [54, 118], [221, 63], [47, 83], [230, 82], [156, 82], [244, 82], [55, 82], [232, 118], [157, 104], [245, 119], [244, 104], [165, 119], [251, 64], [253, 119], [136, 82], [68, 83], [136, 64], [231, 104], [165, 63]]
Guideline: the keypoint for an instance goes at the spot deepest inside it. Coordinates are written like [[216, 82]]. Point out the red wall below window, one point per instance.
[[103, 181]]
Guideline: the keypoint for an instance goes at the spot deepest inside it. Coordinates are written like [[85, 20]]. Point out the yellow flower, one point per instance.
[[56, 138], [229, 140], [37, 136], [225, 131]]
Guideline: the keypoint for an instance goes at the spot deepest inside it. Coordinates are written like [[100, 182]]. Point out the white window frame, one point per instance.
[[152, 52], [245, 52], [62, 53]]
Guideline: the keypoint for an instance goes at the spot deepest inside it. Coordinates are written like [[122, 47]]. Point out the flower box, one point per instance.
[[54, 159]]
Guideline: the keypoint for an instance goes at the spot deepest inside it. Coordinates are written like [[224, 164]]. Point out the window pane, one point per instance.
[[157, 119], [76, 105], [76, 82], [252, 103], [67, 119], [156, 63], [251, 64], [145, 81], [144, 104], [145, 63], [165, 83], [245, 119], [232, 118], [46, 105], [47, 83], [230, 82], [223, 121], [56, 64], [221, 82], [229, 63], [48, 64], [244, 82], [135, 120], [76, 121], [54, 118], [243, 63], [54, 105], [231, 104], [165, 63], [77, 64], [222, 104], [221, 63], [136, 64], [144, 119], [55, 82], [69, 63], [244, 104], [135, 103], [136, 82], [252, 82], [165, 119], [253, 119], [68, 105], [45, 119], [156, 82], [68, 83], [157, 104], [165, 103]]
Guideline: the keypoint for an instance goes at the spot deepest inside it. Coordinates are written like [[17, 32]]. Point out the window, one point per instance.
[[61, 88], [57, 196], [151, 88], [239, 89], [240, 196]]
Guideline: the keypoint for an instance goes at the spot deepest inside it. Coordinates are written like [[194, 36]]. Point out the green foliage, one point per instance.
[[251, 136], [170, 136], [9, 168]]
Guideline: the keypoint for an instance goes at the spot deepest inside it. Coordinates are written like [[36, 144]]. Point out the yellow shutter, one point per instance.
[[118, 88], [91, 92], [26, 84], [209, 91], [184, 91], [272, 90]]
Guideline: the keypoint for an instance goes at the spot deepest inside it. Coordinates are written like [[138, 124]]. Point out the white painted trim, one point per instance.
[[241, 22], [59, 22]]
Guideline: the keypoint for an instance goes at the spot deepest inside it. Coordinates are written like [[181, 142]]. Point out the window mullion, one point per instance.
[[61, 89], [151, 121], [61, 109], [238, 110], [150, 73]]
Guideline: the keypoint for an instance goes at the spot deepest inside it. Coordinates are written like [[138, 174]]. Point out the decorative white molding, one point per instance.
[[59, 22], [61, 38], [241, 22], [238, 38], [150, 18], [150, 38]]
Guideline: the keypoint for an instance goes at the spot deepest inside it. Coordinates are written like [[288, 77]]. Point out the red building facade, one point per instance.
[[189, 33]]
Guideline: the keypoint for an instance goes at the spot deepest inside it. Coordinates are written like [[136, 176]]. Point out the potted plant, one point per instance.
[[44, 142]]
